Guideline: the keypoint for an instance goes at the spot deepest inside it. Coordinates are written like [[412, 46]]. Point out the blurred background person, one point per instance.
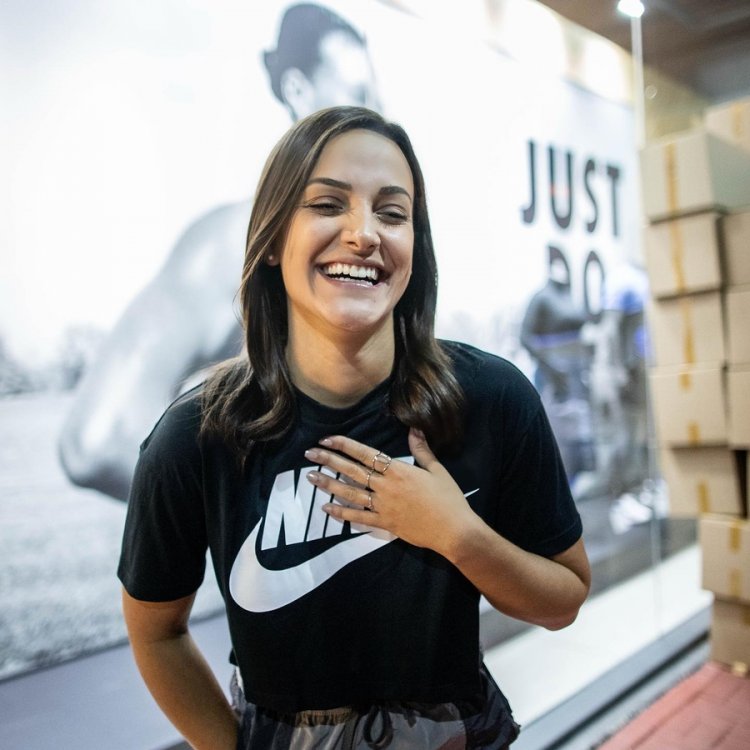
[[551, 333], [623, 302], [617, 339]]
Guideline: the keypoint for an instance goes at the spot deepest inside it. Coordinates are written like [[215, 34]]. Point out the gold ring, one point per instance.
[[370, 472], [369, 501], [384, 459]]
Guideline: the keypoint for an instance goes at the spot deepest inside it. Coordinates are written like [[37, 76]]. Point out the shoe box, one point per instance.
[[692, 172], [730, 121]]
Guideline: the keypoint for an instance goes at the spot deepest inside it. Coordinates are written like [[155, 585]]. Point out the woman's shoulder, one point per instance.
[[177, 430], [494, 389], [478, 369]]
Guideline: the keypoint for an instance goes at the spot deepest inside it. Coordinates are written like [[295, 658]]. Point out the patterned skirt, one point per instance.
[[486, 724]]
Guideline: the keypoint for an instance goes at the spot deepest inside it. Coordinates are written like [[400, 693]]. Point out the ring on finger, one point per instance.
[[384, 459], [370, 472], [369, 502]]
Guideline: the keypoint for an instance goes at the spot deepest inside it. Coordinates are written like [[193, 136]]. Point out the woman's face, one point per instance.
[[347, 257]]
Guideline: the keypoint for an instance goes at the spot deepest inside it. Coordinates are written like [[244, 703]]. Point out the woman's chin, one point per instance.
[[358, 323]]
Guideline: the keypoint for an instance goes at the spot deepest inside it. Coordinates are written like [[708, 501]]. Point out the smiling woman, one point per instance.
[[347, 256], [351, 579]]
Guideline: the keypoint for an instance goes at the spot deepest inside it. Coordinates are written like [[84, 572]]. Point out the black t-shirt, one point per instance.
[[322, 614]]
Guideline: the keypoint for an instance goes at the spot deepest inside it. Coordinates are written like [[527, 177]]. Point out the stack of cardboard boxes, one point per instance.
[[696, 190]]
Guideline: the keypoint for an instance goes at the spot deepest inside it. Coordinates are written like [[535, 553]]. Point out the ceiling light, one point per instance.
[[632, 8]]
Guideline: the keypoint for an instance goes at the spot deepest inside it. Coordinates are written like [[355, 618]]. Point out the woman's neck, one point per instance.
[[339, 372]]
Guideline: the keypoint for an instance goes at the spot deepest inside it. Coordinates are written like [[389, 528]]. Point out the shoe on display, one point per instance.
[[628, 511]]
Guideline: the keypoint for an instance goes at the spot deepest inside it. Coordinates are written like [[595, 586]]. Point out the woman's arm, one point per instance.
[[177, 674], [544, 591], [424, 506]]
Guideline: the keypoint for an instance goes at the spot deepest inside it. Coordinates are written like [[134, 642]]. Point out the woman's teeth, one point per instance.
[[359, 273]]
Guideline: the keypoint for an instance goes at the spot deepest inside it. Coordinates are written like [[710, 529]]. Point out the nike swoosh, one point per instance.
[[258, 589]]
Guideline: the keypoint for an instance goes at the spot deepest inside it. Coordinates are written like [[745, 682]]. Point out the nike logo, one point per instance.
[[256, 588]]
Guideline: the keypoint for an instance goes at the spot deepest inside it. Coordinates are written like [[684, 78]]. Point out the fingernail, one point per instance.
[[311, 453], [325, 441], [328, 507], [313, 477]]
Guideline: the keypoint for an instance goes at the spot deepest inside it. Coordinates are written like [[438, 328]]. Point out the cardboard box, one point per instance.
[[704, 480], [688, 330], [738, 324], [731, 121], [735, 231], [725, 548], [730, 632], [689, 405], [682, 255], [692, 172], [738, 398]]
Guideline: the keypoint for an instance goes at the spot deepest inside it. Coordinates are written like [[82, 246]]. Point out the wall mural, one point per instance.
[[135, 138]]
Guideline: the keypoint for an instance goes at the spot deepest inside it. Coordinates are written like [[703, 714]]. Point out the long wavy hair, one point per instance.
[[251, 398]]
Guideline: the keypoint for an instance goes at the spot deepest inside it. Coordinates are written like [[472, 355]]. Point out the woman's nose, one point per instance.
[[361, 231]]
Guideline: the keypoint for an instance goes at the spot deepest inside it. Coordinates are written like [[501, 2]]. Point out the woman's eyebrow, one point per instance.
[[394, 190], [330, 182]]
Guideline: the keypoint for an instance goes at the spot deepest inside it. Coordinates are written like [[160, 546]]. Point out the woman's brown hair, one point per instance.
[[251, 398]]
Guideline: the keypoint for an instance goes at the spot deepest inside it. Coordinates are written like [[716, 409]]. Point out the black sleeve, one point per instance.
[[163, 553], [536, 509]]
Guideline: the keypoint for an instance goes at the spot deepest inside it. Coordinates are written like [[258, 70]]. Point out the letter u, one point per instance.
[[563, 220]]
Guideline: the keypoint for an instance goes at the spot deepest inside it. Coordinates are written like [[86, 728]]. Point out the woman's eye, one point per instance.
[[392, 216], [326, 208]]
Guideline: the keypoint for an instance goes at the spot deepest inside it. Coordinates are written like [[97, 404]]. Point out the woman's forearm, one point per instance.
[[187, 691], [543, 591]]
